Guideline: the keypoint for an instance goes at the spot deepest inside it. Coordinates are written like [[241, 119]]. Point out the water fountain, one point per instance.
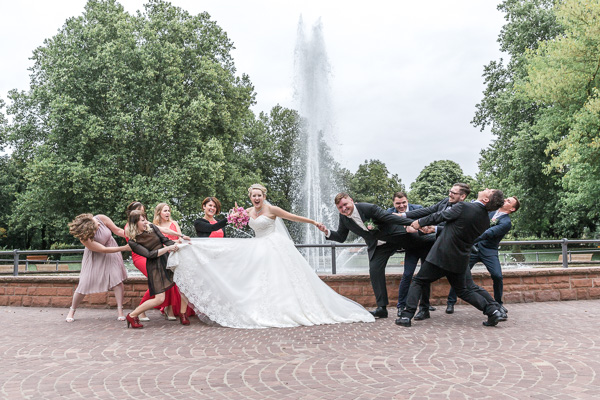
[[313, 99]]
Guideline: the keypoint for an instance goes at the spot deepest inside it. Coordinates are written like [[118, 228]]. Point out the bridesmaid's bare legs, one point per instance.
[[148, 305], [119, 295], [184, 304], [77, 298]]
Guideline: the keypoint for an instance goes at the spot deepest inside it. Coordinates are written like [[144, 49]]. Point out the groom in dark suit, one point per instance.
[[485, 250], [383, 233], [449, 256]]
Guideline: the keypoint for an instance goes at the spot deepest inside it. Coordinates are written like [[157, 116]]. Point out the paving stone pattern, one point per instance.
[[546, 350]]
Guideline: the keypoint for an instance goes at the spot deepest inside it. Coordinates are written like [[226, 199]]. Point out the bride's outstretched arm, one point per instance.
[[278, 212]]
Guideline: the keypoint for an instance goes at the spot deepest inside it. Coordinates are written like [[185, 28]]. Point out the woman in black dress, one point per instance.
[[209, 226], [146, 240]]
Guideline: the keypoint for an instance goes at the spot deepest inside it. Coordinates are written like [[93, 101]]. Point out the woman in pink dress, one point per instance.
[[172, 305], [102, 267]]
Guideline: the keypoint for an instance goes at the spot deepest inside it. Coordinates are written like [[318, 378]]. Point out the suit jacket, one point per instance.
[[465, 222], [489, 241], [425, 211], [390, 228], [410, 208]]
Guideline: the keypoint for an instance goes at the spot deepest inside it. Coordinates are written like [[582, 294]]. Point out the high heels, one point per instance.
[[143, 319], [170, 317], [70, 319], [134, 322], [184, 319]]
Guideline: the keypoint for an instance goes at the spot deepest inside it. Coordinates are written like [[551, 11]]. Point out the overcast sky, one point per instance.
[[406, 76]]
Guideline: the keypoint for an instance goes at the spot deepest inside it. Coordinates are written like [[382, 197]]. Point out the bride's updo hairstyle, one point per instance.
[[258, 186]]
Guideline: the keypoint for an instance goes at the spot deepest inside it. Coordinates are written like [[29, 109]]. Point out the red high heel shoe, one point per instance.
[[134, 322], [184, 319]]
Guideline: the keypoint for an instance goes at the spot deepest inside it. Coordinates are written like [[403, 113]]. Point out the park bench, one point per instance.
[[577, 257]]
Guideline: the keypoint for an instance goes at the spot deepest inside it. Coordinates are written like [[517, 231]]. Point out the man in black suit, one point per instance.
[[411, 258], [457, 193], [485, 250], [449, 256], [383, 233]]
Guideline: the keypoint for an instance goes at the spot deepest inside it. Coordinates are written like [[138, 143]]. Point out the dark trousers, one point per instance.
[[411, 258], [492, 263], [377, 266], [430, 273]]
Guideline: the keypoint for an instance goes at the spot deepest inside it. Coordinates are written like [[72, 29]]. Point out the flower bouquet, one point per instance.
[[238, 217], [371, 226]]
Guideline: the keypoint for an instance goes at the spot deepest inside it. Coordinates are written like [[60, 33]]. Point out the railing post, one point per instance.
[[565, 254], [333, 261], [16, 262]]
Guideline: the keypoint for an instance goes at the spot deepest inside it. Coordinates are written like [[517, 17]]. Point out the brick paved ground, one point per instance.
[[545, 351]]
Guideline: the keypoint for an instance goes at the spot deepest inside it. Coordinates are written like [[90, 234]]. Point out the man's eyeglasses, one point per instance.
[[454, 193]]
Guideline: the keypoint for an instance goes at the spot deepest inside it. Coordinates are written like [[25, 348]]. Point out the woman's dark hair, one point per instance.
[[214, 200], [134, 205]]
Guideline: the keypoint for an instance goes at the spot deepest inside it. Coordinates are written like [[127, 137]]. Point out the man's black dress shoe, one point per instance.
[[494, 318], [432, 308], [403, 321], [503, 309], [450, 309], [380, 312], [421, 315]]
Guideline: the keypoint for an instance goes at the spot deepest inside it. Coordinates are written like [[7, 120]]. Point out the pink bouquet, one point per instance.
[[238, 217]]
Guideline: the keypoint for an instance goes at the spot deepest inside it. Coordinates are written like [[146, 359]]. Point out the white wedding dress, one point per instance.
[[258, 283]]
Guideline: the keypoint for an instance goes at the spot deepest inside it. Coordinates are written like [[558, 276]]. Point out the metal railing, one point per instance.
[[564, 243]]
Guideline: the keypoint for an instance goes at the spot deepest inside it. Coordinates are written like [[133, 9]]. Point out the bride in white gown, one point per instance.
[[261, 282]]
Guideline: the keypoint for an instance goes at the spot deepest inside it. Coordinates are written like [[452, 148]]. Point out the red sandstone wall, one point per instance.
[[522, 286]]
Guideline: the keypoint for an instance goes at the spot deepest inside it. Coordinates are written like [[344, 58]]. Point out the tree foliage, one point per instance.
[[373, 183], [515, 161], [435, 180], [127, 107], [562, 79]]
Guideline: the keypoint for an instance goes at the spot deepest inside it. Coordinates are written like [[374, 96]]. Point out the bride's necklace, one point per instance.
[[258, 210]]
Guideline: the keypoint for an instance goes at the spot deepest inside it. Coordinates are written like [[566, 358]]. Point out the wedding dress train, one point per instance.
[[258, 283]]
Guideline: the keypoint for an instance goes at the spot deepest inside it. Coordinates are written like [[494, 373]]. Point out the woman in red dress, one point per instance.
[[172, 305], [209, 226]]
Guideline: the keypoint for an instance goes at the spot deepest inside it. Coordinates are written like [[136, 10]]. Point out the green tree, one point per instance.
[[373, 183], [273, 143], [123, 107], [435, 180], [515, 161], [562, 80]]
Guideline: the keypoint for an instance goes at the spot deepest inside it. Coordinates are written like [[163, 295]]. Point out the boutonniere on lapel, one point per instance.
[[493, 222], [371, 226]]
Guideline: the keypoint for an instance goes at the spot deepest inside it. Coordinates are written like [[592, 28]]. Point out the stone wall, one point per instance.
[[520, 286]]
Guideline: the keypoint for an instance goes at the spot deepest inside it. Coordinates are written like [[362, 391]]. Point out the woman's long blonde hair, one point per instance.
[[132, 229], [156, 220]]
